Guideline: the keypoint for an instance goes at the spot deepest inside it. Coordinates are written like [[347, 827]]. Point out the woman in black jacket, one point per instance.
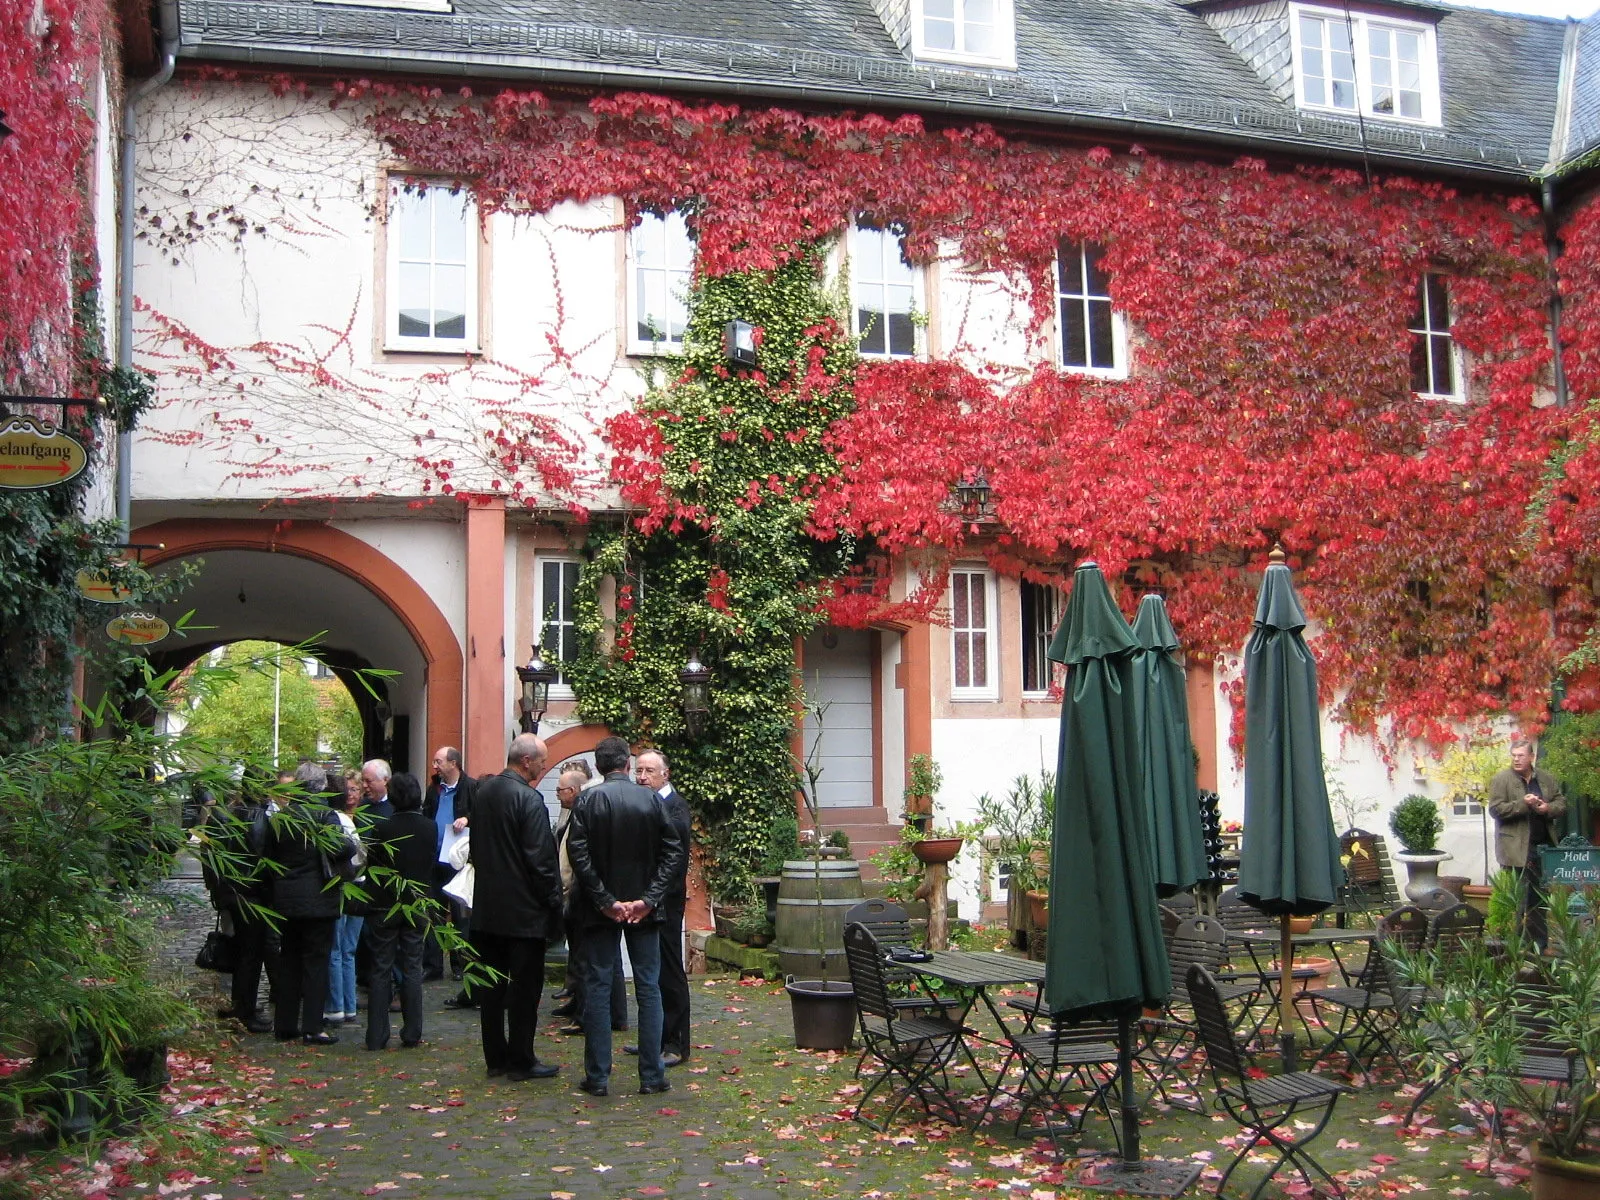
[[308, 857]]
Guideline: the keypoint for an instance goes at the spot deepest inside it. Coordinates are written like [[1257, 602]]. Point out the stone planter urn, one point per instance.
[[1422, 870]]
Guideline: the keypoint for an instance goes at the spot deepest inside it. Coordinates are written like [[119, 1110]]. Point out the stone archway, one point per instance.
[[386, 581]]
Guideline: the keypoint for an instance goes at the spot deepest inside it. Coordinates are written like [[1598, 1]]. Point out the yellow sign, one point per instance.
[[137, 629], [101, 590], [37, 454]]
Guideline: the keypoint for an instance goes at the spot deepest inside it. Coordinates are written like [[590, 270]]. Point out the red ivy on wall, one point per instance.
[[49, 53], [1269, 397]]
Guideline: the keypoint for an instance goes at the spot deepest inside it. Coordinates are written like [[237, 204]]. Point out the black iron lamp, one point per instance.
[[974, 496], [739, 344], [536, 679], [696, 696]]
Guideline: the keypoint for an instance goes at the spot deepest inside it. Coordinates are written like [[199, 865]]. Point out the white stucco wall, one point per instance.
[[261, 279], [978, 757], [433, 553]]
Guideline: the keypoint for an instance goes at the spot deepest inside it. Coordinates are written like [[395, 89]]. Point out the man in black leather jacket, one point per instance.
[[516, 907], [625, 853]]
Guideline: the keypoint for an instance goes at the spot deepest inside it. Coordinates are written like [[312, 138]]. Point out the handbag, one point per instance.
[[220, 952], [460, 887]]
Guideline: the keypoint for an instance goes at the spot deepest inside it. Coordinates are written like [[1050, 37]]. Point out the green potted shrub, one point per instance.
[[1416, 825], [1486, 1002]]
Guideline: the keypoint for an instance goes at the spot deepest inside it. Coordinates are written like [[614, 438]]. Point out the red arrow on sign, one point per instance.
[[62, 469]]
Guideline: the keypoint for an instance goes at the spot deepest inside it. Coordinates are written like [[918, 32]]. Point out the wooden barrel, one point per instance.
[[812, 900]]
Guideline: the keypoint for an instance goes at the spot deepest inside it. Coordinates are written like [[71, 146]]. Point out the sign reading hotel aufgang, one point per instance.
[[137, 629], [37, 454], [94, 586]]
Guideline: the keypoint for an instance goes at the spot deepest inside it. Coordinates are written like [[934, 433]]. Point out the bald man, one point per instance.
[[516, 908]]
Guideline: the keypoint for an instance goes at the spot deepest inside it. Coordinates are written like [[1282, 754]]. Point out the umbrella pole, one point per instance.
[[1286, 993], [1136, 1176], [1130, 1101]]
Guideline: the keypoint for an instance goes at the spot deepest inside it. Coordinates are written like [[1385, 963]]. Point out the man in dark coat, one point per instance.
[[401, 853], [448, 804], [675, 1041], [625, 854], [516, 907], [307, 856]]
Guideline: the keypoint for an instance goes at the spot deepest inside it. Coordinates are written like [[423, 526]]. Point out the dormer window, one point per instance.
[[1349, 62], [979, 32]]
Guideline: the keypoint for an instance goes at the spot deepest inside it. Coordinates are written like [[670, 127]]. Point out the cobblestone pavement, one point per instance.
[[748, 1116]]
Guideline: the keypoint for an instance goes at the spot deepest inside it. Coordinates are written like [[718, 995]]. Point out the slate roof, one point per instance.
[[1583, 121], [1141, 69]]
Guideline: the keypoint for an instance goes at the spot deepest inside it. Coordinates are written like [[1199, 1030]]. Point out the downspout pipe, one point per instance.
[[167, 17], [1552, 243]]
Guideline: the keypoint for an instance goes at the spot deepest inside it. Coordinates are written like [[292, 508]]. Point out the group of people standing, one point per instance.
[[617, 871], [291, 849], [612, 869]]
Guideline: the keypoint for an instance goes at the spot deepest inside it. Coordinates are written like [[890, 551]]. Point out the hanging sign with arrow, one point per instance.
[[37, 454], [137, 629], [95, 586]]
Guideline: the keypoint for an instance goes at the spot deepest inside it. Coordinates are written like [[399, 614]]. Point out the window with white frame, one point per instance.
[[885, 289], [1092, 338], [1435, 364], [433, 268], [981, 32], [558, 629], [660, 269], [1380, 66], [972, 640], [1041, 613]]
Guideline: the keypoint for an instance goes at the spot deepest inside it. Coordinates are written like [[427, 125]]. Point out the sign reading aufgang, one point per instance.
[[137, 629], [37, 454]]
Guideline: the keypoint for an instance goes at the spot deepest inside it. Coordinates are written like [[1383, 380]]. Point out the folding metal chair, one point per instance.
[[1272, 1108], [1455, 929], [915, 1050], [1406, 927], [1056, 1062], [1173, 1036], [1369, 1011], [911, 997]]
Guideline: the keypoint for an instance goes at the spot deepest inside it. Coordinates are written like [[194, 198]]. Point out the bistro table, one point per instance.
[[973, 973], [1270, 941]]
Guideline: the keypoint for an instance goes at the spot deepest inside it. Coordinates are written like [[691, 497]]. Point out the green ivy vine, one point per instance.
[[734, 575], [45, 541]]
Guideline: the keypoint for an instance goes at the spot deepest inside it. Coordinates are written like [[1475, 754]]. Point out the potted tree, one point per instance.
[[1017, 829], [1490, 1003], [923, 781], [1416, 825], [1464, 773], [812, 900]]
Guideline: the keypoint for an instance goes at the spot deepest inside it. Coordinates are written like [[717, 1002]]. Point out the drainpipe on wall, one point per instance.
[[1552, 245], [167, 16]]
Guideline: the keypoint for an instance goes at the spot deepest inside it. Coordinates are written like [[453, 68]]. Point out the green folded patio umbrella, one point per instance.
[[1172, 797], [1105, 957], [1289, 855]]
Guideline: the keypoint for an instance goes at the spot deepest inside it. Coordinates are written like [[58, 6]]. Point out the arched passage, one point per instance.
[[402, 599]]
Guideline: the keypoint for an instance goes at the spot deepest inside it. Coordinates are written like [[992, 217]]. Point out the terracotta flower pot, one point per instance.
[[1301, 924], [937, 850], [1564, 1179], [1039, 909]]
